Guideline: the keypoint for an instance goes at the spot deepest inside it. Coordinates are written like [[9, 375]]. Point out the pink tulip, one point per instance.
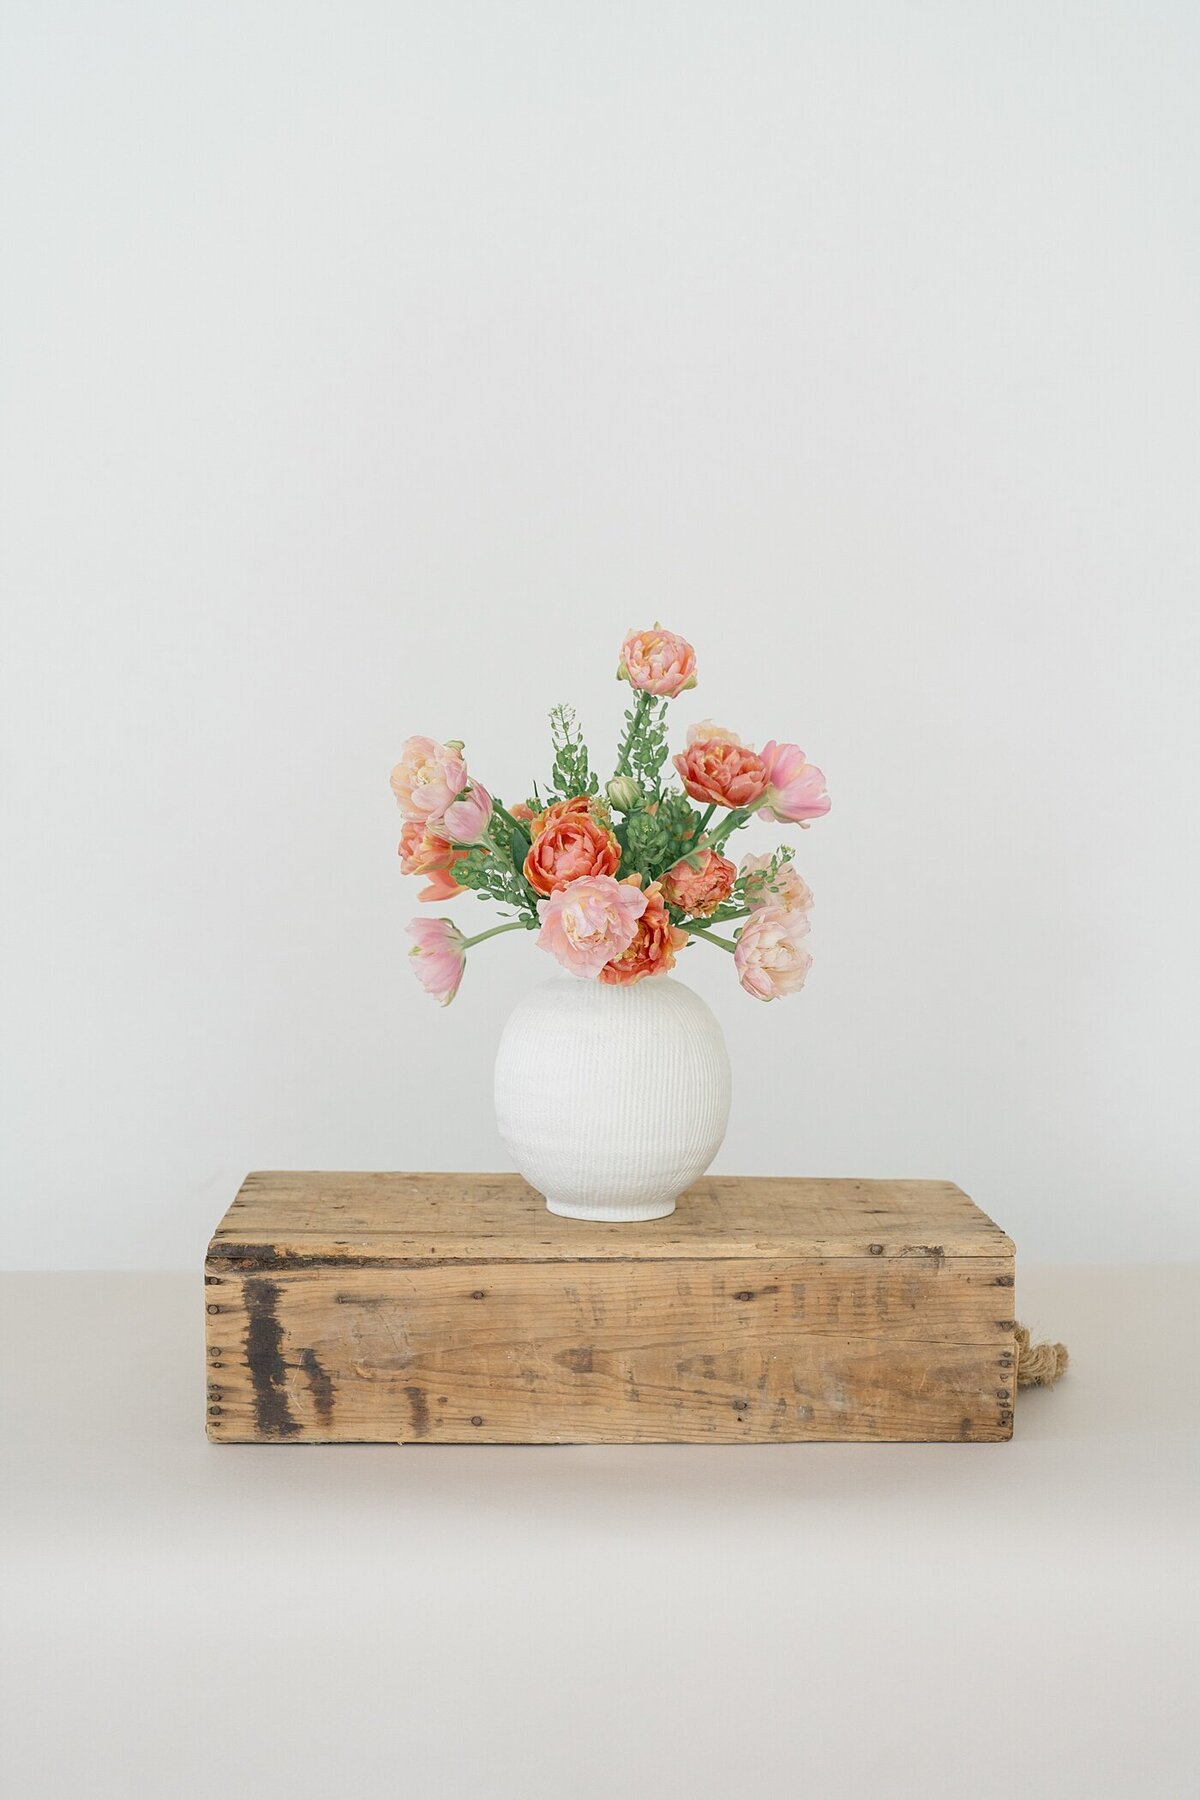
[[795, 788], [590, 921], [439, 956], [770, 959], [657, 662], [466, 821], [427, 778], [788, 888]]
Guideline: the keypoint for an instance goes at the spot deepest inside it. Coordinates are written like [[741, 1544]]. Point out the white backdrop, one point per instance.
[[369, 369]]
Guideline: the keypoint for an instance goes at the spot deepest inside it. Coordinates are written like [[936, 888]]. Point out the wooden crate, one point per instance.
[[448, 1309]]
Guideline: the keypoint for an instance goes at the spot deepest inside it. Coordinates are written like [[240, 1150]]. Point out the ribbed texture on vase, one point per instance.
[[612, 1100]]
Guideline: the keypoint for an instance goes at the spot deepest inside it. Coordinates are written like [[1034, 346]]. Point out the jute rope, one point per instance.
[[1038, 1365]]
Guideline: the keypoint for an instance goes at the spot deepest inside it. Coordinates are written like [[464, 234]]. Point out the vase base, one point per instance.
[[611, 1215]]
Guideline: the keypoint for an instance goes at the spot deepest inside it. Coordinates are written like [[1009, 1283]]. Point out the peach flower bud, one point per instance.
[[422, 852], [657, 662], [718, 772], [427, 778], [438, 956], [588, 922], [795, 789], [708, 733], [622, 793], [770, 959], [652, 950], [567, 842], [701, 890], [786, 888], [466, 821]]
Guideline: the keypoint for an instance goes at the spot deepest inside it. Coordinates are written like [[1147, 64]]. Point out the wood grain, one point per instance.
[[451, 1309], [413, 1218]]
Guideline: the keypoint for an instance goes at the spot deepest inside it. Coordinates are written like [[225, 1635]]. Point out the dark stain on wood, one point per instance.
[[934, 1252], [320, 1385], [264, 1355], [578, 1361], [420, 1411]]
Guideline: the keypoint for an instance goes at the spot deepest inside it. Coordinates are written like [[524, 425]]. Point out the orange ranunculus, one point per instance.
[[422, 852], [655, 942], [568, 841], [718, 771], [699, 891]]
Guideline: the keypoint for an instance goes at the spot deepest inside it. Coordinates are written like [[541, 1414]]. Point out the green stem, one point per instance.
[[727, 918], [702, 827], [641, 707], [736, 819], [495, 931], [695, 931]]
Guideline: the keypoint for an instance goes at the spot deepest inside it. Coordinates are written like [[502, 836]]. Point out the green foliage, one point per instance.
[[649, 748], [494, 870], [572, 773], [760, 882], [658, 834], [644, 746]]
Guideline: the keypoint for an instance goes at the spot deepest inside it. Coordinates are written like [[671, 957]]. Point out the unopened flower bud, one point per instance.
[[623, 793]]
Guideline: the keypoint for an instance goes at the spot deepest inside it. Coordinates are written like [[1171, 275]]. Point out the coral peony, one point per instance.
[[788, 888], [699, 891], [422, 852], [466, 821], [439, 956], [658, 662], [720, 772], [769, 958], [795, 789], [588, 922], [568, 842], [427, 778], [655, 942]]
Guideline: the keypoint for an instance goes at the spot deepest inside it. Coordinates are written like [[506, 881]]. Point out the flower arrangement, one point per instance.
[[617, 883]]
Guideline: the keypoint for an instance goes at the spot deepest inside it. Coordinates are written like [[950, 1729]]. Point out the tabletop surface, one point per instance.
[[286, 1214], [924, 1621]]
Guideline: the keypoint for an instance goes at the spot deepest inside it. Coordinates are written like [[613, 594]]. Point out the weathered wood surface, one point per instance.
[[415, 1218], [454, 1308]]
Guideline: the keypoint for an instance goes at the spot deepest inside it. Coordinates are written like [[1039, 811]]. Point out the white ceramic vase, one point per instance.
[[612, 1100]]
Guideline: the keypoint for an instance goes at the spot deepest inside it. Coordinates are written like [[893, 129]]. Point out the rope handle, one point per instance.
[[1038, 1365]]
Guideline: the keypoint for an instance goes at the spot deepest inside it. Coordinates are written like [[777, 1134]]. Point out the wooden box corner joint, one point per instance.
[[455, 1309]]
